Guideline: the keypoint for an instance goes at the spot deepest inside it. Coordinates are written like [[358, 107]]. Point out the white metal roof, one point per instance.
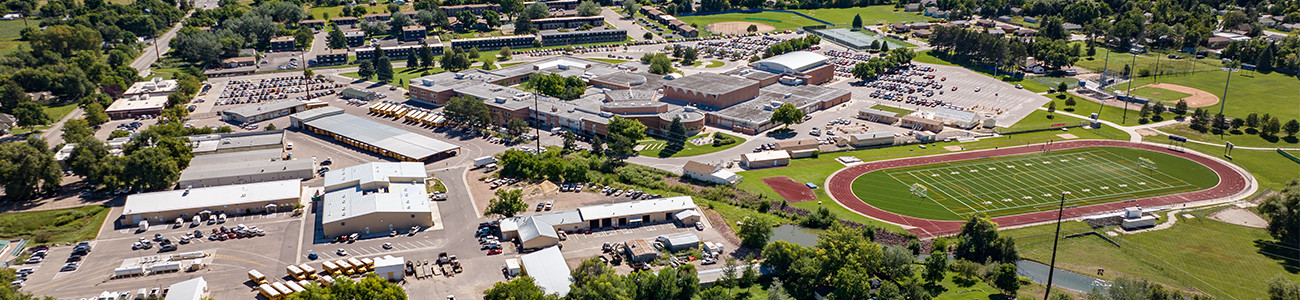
[[388, 261], [401, 198], [797, 61], [368, 173], [548, 269], [192, 289], [533, 228], [766, 155], [214, 197], [266, 107], [636, 208], [385, 137]]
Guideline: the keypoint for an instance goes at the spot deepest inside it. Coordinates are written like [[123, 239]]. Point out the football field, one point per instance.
[[1009, 185]]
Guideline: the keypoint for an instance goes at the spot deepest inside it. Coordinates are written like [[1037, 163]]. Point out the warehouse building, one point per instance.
[[709, 173], [549, 270], [137, 105], [193, 289], [166, 206], [236, 141], [263, 111], [765, 159], [244, 167], [957, 118], [372, 136], [375, 198], [617, 215], [869, 139], [679, 242], [878, 116]]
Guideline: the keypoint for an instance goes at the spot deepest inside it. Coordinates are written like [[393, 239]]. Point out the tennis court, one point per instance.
[[1027, 183]]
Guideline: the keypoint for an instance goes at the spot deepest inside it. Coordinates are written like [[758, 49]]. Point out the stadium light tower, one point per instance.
[[1051, 269]]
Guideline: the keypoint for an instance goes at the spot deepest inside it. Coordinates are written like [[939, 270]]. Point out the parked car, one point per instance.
[[72, 266], [167, 248]]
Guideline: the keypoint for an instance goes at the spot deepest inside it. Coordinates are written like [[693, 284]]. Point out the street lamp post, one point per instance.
[[1060, 213], [1129, 92]]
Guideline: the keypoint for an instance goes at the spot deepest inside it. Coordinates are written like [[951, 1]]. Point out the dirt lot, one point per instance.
[[737, 27]]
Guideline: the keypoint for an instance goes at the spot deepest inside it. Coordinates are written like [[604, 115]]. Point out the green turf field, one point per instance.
[[781, 21], [1249, 92], [1026, 183], [1159, 94], [870, 15]]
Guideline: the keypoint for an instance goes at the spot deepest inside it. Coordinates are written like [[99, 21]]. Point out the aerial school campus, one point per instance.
[[641, 150]]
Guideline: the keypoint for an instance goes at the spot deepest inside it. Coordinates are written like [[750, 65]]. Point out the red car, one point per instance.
[[494, 251], [954, 89]]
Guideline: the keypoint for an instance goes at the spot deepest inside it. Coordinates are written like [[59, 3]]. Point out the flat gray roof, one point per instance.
[[253, 110], [234, 140], [636, 208], [247, 163], [217, 196], [709, 83], [401, 142], [753, 111]]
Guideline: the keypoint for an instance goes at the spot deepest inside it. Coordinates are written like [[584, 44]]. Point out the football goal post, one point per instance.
[[919, 190], [1146, 163]]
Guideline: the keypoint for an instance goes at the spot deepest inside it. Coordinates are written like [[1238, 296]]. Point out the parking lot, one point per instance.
[[1001, 100]]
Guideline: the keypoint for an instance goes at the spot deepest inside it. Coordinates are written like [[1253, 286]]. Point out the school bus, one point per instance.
[[308, 271], [331, 268], [358, 266], [270, 292], [344, 266], [294, 272], [256, 277]]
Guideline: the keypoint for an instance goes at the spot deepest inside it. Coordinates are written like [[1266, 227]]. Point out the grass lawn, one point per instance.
[[816, 170], [654, 148], [1159, 94], [1025, 183], [336, 11], [54, 226], [436, 185], [403, 74], [9, 34], [1248, 138], [1053, 82], [1114, 114], [1270, 168], [870, 15], [927, 57], [609, 60], [781, 21], [1118, 60], [1200, 254], [56, 113], [1250, 92], [900, 111], [715, 64]]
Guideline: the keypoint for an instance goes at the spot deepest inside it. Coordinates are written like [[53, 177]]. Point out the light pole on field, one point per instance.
[[1051, 269]]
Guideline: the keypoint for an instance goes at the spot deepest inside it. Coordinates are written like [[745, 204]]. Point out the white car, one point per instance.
[[341, 252]]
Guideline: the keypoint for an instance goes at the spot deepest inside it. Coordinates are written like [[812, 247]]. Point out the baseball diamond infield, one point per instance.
[[1198, 98], [1159, 189]]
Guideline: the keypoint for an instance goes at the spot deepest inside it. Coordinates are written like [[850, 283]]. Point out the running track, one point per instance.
[[840, 185]]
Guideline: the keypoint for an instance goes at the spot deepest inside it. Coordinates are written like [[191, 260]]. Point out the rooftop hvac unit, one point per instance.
[[787, 95], [777, 103], [500, 100], [427, 82], [688, 109], [562, 67], [460, 76]]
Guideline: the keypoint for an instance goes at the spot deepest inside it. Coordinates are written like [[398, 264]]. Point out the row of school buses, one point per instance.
[[413, 115], [303, 275]]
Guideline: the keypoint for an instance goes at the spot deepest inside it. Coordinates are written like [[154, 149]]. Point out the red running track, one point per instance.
[[840, 186]]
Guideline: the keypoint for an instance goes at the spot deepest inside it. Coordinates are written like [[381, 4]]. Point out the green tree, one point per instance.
[[1051, 108], [1252, 120], [524, 25], [597, 146], [1070, 102], [935, 266], [77, 131], [506, 204], [623, 135], [303, 38], [28, 169], [979, 241], [676, 137], [857, 21], [89, 159], [10, 95], [504, 53], [1283, 211], [661, 64], [1060, 88], [468, 110], [754, 232], [589, 269], [570, 141], [751, 28], [426, 56], [30, 114], [787, 114], [1004, 278], [366, 69], [588, 8], [518, 288], [1281, 288], [1180, 109], [384, 69], [1271, 128], [151, 168], [413, 59], [630, 8], [896, 263], [1291, 127]]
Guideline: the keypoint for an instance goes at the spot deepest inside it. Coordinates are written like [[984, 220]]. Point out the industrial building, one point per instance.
[[765, 159], [236, 141], [244, 167], [639, 250], [709, 173], [263, 111], [869, 139], [957, 118], [549, 270], [679, 242], [166, 206], [541, 230], [372, 136], [193, 289], [375, 198], [137, 105], [878, 116], [391, 268]]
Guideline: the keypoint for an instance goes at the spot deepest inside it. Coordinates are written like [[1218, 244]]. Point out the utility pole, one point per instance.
[[1051, 269], [1105, 67], [1129, 91], [537, 123], [1157, 73], [1225, 88]]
